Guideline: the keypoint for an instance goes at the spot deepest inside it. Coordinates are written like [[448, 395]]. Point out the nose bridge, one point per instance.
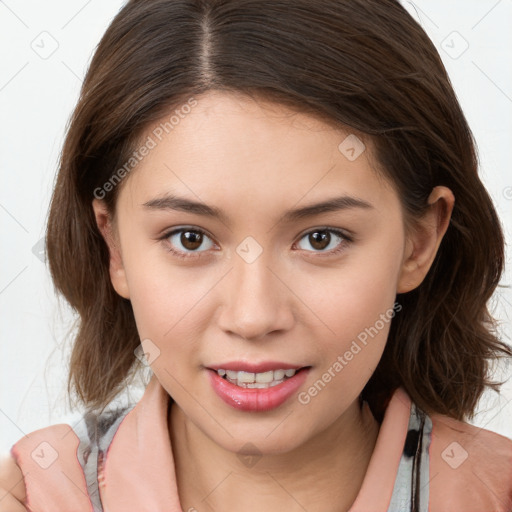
[[255, 302]]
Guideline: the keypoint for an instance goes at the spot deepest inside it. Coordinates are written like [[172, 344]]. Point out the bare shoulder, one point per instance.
[[11, 478]]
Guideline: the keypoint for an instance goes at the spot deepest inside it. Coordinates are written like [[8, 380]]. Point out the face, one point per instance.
[[227, 264]]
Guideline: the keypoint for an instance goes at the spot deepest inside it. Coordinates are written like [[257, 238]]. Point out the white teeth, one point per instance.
[[232, 374], [278, 374], [265, 377], [256, 380], [245, 377]]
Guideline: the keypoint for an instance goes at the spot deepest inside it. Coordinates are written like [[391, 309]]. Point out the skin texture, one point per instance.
[[294, 303]]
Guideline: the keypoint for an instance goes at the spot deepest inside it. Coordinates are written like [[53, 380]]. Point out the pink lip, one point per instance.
[[247, 399], [245, 366]]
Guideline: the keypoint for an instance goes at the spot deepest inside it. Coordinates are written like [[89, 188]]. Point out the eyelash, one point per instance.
[[195, 254]]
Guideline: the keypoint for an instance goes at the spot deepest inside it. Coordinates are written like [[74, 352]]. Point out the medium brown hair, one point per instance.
[[365, 64]]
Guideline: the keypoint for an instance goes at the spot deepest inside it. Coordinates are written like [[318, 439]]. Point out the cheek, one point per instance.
[[166, 315], [165, 307], [359, 311], [351, 298], [160, 292], [356, 303], [169, 304]]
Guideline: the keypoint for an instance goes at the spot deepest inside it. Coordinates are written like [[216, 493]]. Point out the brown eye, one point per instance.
[[189, 240], [322, 240], [319, 239]]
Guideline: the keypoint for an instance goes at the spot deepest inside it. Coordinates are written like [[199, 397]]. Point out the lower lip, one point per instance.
[[253, 399]]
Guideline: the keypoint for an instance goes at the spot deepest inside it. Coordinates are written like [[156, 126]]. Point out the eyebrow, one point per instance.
[[172, 202]]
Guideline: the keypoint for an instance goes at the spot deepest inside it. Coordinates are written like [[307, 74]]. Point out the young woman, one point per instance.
[[276, 206]]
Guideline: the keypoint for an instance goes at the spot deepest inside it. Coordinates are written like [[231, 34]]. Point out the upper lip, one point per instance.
[[251, 367]]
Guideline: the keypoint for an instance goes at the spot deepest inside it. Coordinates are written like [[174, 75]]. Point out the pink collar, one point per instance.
[[142, 443]]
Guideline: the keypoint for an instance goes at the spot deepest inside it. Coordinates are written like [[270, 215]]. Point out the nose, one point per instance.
[[255, 300]]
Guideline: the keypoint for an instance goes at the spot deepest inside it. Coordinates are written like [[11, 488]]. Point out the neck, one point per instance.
[[324, 474]]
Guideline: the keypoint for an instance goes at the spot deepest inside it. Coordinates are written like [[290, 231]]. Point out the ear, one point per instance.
[[108, 231], [424, 240]]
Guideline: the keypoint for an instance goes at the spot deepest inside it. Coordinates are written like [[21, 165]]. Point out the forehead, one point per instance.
[[228, 147]]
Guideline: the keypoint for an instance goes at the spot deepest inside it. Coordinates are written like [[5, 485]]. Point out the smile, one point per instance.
[[261, 380]]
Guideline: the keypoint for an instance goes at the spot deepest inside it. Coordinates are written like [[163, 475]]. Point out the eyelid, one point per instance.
[[173, 231]]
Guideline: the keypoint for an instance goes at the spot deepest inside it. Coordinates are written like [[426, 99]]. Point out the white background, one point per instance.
[[37, 96]]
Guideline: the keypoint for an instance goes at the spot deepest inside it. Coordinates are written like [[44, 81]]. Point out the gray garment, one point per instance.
[[411, 490], [96, 433]]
